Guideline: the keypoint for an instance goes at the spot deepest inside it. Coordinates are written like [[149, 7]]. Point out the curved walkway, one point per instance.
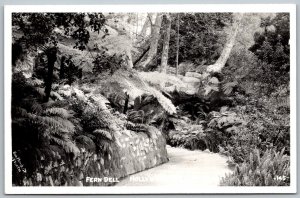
[[185, 168]]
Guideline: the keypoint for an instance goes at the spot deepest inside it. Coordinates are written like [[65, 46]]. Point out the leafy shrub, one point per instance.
[[221, 128], [269, 168], [104, 62], [190, 136]]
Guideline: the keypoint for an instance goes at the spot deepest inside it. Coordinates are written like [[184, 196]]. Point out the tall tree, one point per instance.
[[154, 40], [220, 63], [165, 52]]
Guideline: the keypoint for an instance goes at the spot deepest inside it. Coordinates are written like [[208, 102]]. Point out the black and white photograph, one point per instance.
[[158, 99]]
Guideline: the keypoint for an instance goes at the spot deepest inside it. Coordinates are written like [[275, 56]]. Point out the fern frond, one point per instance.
[[85, 141], [37, 108], [70, 147], [56, 140], [103, 133], [26, 65], [100, 100], [56, 95], [40, 91], [34, 82], [210, 88], [163, 101], [56, 123], [61, 112], [32, 105], [228, 87], [65, 124], [130, 82]]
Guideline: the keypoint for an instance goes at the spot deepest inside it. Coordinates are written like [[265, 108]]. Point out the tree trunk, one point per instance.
[[220, 63], [145, 27], [129, 58], [62, 68], [154, 40], [141, 56], [51, 57], [165, 51], [177, 44], [125, 108]]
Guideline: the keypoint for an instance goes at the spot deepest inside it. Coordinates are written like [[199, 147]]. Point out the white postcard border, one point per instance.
[[262, 8]]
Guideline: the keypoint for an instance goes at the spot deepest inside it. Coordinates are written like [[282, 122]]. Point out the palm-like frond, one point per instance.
[[163, 101], [130, 82]]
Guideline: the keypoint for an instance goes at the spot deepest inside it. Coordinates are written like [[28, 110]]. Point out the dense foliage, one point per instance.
[[201, 37], [272, 48]]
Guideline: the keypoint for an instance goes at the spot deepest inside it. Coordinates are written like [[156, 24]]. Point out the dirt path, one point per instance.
[[185, 168]]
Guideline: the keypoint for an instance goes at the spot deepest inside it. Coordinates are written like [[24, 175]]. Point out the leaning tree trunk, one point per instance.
[[129, 58], [51, 57], [154, 40], [220, 63], [147, 24], [165, 51]]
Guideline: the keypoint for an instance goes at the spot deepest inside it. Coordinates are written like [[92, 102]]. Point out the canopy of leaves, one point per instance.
[[273, 49]]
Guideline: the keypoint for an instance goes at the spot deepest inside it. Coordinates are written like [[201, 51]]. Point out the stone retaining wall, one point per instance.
[[128, 153], [140, 152]]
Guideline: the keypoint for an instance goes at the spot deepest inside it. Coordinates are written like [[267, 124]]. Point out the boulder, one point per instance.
[[193, 74], [187, 79]]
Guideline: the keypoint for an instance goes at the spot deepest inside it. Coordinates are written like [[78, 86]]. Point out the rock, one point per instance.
[[214, 80], [170, 88], [193, 74], [190, 79], [191, 91]]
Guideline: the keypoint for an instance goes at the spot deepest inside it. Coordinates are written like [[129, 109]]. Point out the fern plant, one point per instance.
[[130, 82], [37, 126], [269, 168], [227, 88], [188, 136]]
